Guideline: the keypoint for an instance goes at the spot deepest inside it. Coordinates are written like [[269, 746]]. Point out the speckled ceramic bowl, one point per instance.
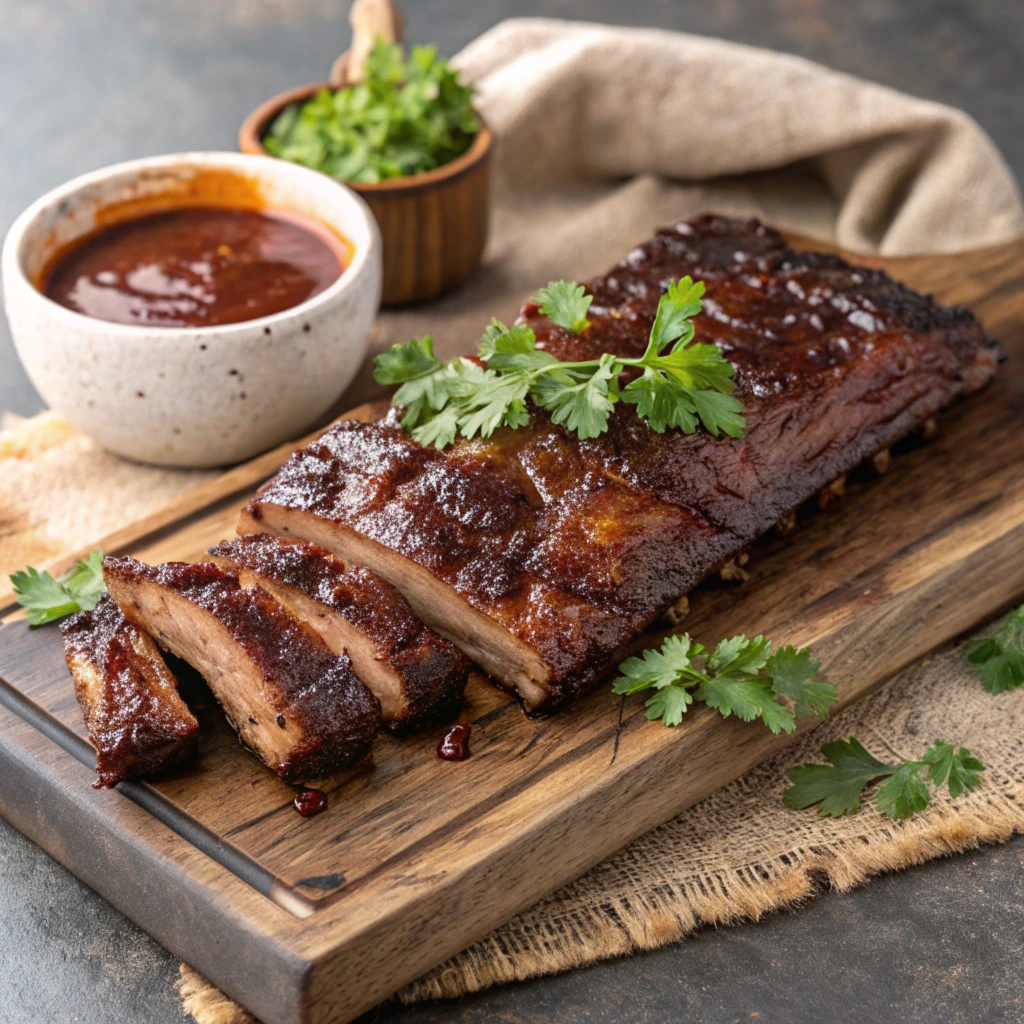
[[205, 396]]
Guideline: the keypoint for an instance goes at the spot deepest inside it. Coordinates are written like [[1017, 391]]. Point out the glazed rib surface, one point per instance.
[[292, 700], [129, 699], [417, 675], [565, 550]]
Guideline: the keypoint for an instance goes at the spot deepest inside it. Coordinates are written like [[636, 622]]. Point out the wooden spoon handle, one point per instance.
[[370, 20]]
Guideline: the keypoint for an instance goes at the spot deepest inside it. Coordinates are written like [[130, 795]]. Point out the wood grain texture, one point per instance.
[[417, 857], [433, 225]]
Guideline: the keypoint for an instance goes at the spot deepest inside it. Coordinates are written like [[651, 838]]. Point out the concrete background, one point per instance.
[[84, 83]]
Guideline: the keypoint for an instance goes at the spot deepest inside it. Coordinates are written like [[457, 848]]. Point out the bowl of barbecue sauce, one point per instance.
[[193, 310]]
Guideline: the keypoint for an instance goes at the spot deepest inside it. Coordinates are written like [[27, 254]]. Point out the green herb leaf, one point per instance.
[[584, 408], [839, 786], [682, 301], [735, 679], [680, 387], [85, 580], [657, 668], [904, 792], [46, 599], [836, 786], [957, 767], [999, 660], [565, 303], [669, 704], [792, 673], [406, 362], [407, 116]]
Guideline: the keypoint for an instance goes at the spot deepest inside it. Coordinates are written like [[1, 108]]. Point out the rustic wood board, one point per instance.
[[316, 920]]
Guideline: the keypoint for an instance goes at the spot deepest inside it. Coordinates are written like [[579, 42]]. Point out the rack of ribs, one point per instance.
[[417, 676], [291, 699], [542, 555], [136, 720]]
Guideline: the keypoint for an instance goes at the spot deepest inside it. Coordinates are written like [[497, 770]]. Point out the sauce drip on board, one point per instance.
[[455, 745], [310, 802], [195, 266]]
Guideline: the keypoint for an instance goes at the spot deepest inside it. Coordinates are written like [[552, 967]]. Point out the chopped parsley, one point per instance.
[[407, 116]]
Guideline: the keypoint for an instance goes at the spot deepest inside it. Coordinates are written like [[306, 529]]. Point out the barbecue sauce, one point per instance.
[[455, 745], [195, 266], [310, 802]]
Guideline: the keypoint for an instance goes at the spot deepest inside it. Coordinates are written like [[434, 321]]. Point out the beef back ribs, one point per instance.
[[292, 700], [417, 676], [129, 699], [542, 555]]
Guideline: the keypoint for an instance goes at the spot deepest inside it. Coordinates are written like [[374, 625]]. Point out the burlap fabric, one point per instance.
[[603, 136]]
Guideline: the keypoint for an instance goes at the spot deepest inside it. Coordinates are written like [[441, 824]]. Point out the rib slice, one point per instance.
[[543, 555], [417, 676], [292, 700], [137, 722]]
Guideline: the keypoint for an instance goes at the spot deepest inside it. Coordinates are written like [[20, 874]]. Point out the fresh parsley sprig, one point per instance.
[[740, 677], [680, 384], [839, 785], [998, 660], [46, 599]]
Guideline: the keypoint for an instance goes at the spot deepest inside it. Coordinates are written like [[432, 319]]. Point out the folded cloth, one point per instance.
[[830, 156]]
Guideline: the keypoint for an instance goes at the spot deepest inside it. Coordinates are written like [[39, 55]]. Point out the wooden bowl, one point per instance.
[[433, 225]]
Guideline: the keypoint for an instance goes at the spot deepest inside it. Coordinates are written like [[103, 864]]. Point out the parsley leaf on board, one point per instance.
[[46, 599], [839, 786], [680, 385], [409, 115], [740, 677], [998, 660]]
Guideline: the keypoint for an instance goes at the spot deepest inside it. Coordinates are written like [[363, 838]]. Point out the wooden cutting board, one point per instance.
[[315, 920]]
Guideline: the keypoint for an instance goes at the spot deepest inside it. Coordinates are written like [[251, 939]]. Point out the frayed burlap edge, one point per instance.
[[647, 921]]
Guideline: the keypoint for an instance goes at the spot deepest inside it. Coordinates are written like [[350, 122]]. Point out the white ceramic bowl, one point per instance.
[[205, 396]]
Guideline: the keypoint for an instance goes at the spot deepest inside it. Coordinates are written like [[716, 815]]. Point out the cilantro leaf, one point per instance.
[[662, 402], [957, 767], [565, 303], [669, 704], [679, 385], [85, 580], [683, 300], [836, 786], [792, 673], [406, 362], [747, 699], [999, 660], [839, 786], [657, 668], [46, 599], [438, 430], [738, 654], [735, 679], [584, 408], [904, 792]]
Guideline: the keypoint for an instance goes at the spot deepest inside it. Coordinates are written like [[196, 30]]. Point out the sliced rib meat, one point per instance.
[[542, 555], [417, 676], [137, 722], [292, 700]]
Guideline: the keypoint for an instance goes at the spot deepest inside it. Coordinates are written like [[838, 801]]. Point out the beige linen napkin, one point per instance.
[[605, 134]]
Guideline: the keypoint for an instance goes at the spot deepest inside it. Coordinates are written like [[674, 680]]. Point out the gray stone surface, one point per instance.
[[87, 82]]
